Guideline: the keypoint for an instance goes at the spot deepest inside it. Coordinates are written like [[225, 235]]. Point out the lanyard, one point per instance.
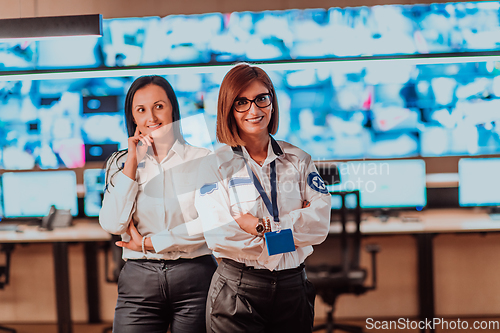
[[271, 207]]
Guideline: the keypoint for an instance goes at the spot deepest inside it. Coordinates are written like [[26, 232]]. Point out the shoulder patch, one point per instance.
[[236, 181], [208, 188], [140, 165], [315, 182]]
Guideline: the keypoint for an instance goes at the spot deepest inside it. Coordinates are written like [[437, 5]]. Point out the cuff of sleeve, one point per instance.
[[194, 227], [156, 243], [161, 242]]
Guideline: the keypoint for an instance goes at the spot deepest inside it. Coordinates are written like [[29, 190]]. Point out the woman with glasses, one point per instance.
[[262, 209], [149, 200]]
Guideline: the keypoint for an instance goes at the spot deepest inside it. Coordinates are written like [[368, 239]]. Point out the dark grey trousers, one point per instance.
[[242, 299], [153, 295]]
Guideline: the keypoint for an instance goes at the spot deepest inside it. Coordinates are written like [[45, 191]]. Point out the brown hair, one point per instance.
[[235, 81]]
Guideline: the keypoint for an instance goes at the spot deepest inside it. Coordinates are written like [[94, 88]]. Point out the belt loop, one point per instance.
[[241, 276], [223, 266]]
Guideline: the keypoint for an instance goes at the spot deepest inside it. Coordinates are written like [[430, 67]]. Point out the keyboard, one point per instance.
[[21, 220], [8, 227]]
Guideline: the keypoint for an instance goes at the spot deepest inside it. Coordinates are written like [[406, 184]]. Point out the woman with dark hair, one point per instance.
[[149, 201], [263, 209]]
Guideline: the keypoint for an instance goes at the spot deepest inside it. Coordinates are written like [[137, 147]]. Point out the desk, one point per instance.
[[83, 231], [431, 222]]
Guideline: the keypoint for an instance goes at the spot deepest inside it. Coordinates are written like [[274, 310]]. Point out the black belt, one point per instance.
[[173, 261], [244, 267]]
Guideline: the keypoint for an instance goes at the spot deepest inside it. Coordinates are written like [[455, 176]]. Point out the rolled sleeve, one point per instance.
[[222, 233], [310, 225]]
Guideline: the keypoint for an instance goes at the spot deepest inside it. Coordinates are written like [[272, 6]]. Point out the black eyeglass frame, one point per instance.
[[253, 101]]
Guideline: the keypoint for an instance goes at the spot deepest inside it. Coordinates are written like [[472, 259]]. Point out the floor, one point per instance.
[[98, 328], [52, 328]]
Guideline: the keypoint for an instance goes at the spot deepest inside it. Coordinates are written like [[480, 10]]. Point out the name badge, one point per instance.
[[279, 242]]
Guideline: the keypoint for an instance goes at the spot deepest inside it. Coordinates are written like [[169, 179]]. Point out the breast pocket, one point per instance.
[[184, 192], [243, 196], [149, 191], [290, 194]]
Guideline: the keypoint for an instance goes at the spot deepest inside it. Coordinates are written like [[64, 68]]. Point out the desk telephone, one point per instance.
[[57, 218]]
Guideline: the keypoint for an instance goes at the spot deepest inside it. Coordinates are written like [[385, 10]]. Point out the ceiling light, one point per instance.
[[51, 26]]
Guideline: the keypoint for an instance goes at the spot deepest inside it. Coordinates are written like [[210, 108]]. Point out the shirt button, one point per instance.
[[273, 283]]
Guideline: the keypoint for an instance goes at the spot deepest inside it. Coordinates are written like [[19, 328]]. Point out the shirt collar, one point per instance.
[[178, 148], [273, 150], [276, 147]]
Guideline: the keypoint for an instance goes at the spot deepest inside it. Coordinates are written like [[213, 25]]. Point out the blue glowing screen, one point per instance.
[[385, 183], [94, 182], [479, 182], [30, 194], [270, 35], [332, 110]]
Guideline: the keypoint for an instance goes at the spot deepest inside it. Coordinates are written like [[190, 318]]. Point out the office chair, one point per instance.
[[113, 269], [342, 274], [4, 273]]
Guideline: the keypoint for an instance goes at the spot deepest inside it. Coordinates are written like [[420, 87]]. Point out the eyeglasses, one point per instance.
[[244, 104]]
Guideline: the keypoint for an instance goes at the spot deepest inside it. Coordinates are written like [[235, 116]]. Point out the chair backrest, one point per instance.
[[341, 251], [113, 260], [5, 269]]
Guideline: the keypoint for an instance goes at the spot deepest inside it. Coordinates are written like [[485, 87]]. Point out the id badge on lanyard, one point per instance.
[[280, 241]]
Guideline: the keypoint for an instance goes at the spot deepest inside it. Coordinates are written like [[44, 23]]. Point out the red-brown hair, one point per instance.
[[235, 81]]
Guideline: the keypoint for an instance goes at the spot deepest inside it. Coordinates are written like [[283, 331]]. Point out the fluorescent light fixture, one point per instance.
[[51, 26], [197, 69]]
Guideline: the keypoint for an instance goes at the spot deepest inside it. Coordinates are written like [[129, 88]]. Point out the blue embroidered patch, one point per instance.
[[208, 188], [239, 181], [140, 165], [315, 182]]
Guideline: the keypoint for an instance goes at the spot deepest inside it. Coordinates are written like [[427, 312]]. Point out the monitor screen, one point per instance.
[[479, 183], [94, 182], [30, 194], [410, 109], [317, 33], [336, 200], [387, 184], [1, 202]]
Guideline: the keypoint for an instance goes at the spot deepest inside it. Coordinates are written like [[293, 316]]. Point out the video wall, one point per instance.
[[333, 110], [337, 99], [270, 35]]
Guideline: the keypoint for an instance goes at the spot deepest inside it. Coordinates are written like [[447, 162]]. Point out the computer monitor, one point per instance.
[[1, 202], [31, 194], [479, 182], [94, 181], [387, 184]]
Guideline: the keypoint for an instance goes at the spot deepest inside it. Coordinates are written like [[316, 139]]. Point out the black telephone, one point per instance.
[[57, 218]]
